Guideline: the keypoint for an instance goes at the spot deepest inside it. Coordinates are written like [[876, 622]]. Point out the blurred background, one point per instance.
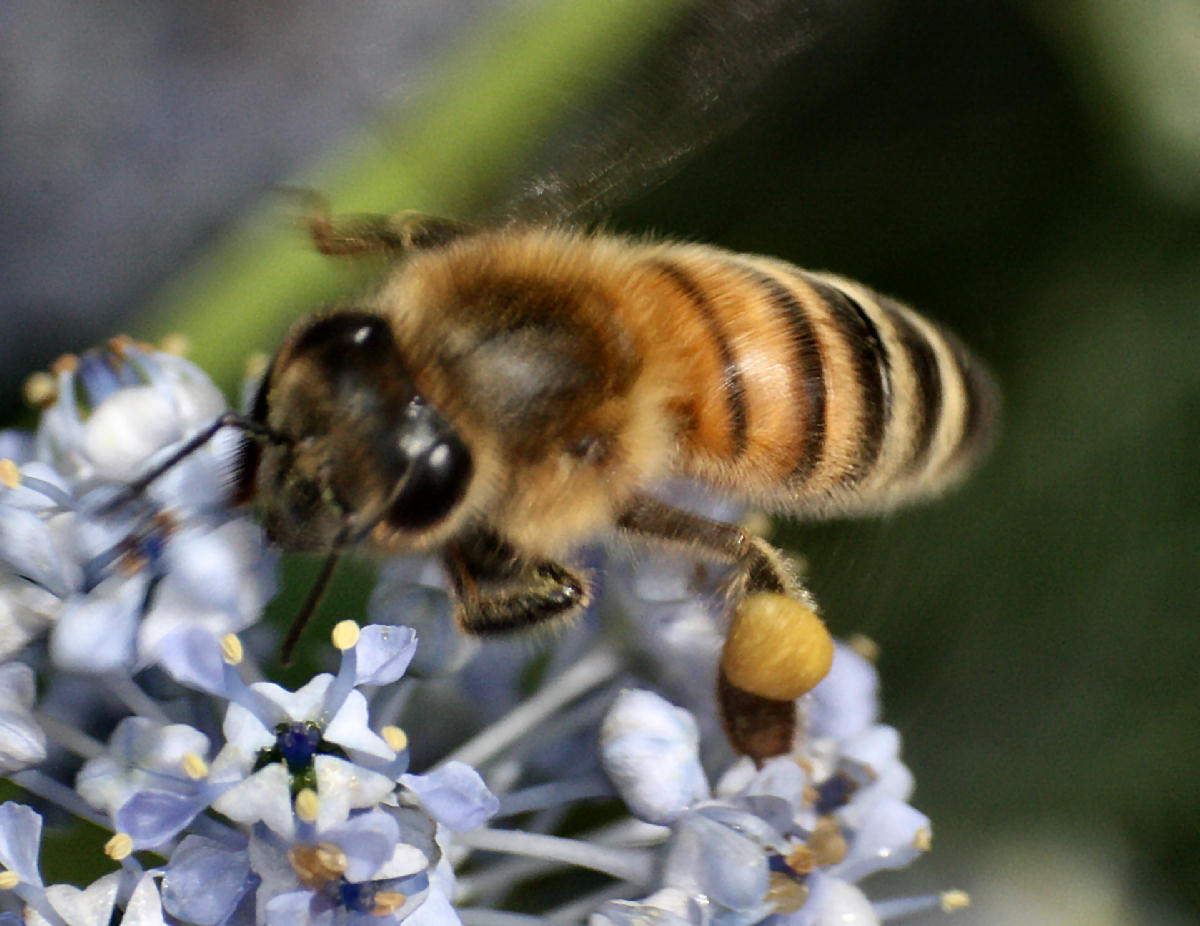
[[1027, 173]]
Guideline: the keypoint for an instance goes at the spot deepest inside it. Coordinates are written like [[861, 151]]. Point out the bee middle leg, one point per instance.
[[500, 590], [357, 235], [757, 726]]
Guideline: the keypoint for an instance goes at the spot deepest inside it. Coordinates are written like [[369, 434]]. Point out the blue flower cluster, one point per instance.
[[784, 843], [129, 698]]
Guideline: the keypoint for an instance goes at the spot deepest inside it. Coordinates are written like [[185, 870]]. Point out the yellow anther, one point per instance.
[[954, 900], [785, 893], [923, 839], [10, 474], [194, 766], [776, 647], [307, 805], [176, 343], [119, 846], [396, 738], [317, 865], [801, 859], [40, 389], [827, 843], [8, 880], [67, 363], [864, 646], [231, 649], [345, 635], [387, 902]]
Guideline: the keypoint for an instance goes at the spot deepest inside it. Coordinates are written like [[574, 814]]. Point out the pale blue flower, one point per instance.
[[110, 573], [732, 856], [651, 752], [142, 780], [22, 742], [454, 795]]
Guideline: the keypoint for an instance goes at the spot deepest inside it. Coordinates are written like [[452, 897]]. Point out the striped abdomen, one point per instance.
[[812, 392]]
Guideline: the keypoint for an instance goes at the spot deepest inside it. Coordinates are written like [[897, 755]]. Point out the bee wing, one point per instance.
[[697, 85]]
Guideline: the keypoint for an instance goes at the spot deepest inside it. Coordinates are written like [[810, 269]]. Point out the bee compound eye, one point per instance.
[[434, 484]]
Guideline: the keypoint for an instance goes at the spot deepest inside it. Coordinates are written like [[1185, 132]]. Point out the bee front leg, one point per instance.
[[500, 590], [357, 235], [776, 648]]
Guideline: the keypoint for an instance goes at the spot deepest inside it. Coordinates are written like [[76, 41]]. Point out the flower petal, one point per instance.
[[454, 795]]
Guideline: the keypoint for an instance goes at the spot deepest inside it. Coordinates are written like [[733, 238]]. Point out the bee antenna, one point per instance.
[[190, 446], [315, 594]]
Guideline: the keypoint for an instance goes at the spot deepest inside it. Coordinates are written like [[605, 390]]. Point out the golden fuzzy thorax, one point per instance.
[[581, 368]]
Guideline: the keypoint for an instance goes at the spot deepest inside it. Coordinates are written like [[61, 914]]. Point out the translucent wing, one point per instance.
[[699, 83]]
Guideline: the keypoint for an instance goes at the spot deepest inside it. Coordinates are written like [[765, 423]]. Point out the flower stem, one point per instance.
[[634, 865], [588, 673]]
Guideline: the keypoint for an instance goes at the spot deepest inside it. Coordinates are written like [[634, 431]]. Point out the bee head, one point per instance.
[[353, 445]]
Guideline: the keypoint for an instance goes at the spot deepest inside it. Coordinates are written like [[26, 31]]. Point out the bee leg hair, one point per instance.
[[500, 590], [756, 726]]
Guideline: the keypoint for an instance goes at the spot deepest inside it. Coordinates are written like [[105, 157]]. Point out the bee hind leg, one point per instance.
[[499, 590], [776, 643], [357, 235]]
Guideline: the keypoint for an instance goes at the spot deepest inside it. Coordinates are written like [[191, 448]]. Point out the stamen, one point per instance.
[[864, 646], [396, 738], [175, 343], [387, 903], [231, 649], [317, 865], [307, 806], [194, 766], [345, 635], [119, 846], [40, 389], [10, 473], [827, 843], [903, 907]]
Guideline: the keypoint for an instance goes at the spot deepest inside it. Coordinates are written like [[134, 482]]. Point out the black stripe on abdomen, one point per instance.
[[928, 396], [731, 380], [807, 369], [872, 368]]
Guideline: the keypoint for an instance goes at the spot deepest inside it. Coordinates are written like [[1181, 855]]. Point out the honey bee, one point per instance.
[[508, 393]]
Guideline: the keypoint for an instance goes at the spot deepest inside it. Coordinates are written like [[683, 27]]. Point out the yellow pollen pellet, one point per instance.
[[119, 846], [194, 766], [776, 647], [8, 880], [307, 805], [954, 900], [10, 473], [231, 649], [387, 902], [396, 738], [345, 635], [923, 839]]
